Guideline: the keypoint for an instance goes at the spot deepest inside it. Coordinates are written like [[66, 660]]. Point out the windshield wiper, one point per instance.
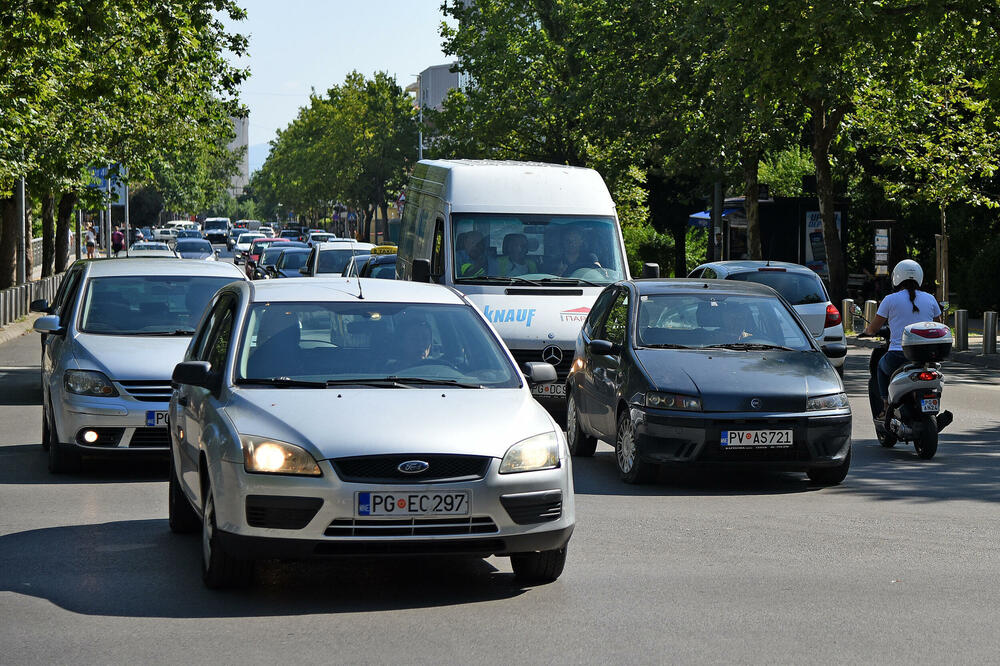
[[434, 382], [283, 382], [504, 279], [571, 280], [747, 346], [667, 346], [176, 331]]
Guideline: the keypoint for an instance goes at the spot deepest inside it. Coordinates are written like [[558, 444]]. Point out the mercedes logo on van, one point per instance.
[[552, 354], [755, 403], [413, 467]]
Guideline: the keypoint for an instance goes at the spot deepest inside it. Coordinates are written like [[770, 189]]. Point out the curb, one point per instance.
[[991, 361], [18, 328]]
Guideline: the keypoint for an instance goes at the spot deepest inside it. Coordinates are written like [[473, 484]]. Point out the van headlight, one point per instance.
[[532, 454], [263, 455], [89, 382], [824, 402]]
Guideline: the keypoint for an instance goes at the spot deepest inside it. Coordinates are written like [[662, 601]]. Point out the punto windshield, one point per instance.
[[386, 345]]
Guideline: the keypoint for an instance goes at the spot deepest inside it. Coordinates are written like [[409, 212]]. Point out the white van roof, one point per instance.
[[491, 186]]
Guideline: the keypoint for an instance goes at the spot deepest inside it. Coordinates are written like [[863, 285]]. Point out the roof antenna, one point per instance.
[[361, 296]]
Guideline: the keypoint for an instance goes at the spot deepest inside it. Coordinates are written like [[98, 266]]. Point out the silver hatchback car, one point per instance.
[[345, 417], [799, 285], [111, 338]]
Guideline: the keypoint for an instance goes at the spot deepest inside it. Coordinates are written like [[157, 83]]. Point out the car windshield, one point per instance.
[[248, 238], [289, 234], [147, 304], [564, 249], [334, 261], [293, 260], [713, 320], [385, 344], [193, 245], [215, 224], [797, 288], [271, 255], [384, 271]]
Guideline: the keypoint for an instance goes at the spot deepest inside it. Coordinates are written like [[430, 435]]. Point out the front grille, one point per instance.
[[150, 438], [105, 436], [385, 468], [418, 527], [151, 390], [280, 512], [523, 356], [483, 547], [538, 507]]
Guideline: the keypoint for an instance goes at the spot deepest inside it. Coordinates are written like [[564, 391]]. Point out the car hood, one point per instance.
[[131, 357], [195, 255], [338, 422], [727, 381]]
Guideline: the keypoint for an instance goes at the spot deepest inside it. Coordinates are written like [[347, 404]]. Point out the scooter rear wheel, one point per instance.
[[927, 443]]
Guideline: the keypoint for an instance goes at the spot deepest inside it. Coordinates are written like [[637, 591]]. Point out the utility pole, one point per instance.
[[22, 254], [420, 119], [78, 241], [126, 218], [107, 234]]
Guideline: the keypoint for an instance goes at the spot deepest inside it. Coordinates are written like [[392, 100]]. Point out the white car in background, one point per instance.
[[800, 286], [243, 245], [329, 259], [267, 231]]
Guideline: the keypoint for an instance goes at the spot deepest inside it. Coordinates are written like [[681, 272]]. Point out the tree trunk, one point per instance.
[[384, 209], [367, 225], [64, 217], [48, 232], [751, 191], [8, 241], [825, 125]]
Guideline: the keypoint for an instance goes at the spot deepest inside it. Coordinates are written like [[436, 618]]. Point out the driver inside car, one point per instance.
[[414, 342]]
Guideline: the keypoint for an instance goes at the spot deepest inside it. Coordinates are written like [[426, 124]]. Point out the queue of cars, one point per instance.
[[698, 371]]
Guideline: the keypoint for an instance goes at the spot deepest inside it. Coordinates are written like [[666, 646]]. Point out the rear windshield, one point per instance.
[[334, 261], [147, 304], [796, 288], [292, 260], [192, 245]]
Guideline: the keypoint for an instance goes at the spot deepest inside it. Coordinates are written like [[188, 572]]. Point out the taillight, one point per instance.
[[924, 376], [832, 316]]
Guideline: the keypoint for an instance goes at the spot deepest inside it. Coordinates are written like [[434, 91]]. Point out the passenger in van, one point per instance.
[[575, 256], [472, 258], [515, 259]]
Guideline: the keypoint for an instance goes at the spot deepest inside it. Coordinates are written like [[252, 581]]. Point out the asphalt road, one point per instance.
[[899, 564]]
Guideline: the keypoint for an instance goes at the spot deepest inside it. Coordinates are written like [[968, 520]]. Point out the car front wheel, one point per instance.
[[631, 468], [219, 569], [180, 515], [540, 567]]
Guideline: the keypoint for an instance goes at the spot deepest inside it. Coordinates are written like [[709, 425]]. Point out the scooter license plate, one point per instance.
[[930, 405]]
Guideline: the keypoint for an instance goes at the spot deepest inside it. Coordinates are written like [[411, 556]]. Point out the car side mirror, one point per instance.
[[604, 348], [41, 305], [835, 350], [218, 252], [49, 324], [650, 270], [304, 270], [194, 373], [541, 373], [421, 270]]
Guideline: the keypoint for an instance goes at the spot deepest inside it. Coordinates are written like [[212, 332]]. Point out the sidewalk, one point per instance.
[[974, 355]]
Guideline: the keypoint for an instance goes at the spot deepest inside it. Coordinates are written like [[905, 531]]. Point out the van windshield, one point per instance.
[[550, 249]]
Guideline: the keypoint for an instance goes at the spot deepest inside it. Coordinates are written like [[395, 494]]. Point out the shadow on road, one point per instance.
[[138, 568], [20, 386], [28, 464]]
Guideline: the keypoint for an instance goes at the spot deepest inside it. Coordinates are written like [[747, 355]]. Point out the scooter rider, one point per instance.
[[907, 305]]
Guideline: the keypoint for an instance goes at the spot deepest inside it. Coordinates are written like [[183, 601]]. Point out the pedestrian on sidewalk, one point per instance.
[[91, 241], [117, 241]]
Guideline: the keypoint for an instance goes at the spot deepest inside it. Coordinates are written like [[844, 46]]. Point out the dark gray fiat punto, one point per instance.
[[706, 371]]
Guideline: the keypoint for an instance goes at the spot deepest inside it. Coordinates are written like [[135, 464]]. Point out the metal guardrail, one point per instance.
[[15, 301]]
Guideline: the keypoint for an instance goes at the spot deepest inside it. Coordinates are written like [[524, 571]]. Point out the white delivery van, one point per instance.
[[531, 245]]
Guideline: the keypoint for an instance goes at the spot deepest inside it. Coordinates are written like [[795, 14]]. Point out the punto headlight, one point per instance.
[[270, 456], [824, 402], [660, 400], [532, 454], [89, 382]]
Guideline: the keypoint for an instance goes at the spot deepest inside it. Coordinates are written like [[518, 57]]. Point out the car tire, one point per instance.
[[540, 567], [46, 430], [631, 468], [219, 569], [927, 444], [580, 444], [63, 459], [181, 515], [831, 476]]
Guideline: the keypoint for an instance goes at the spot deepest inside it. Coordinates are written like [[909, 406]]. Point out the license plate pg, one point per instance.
[[155, 419], [413, 504]]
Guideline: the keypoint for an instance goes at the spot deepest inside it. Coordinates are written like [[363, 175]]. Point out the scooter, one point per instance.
[[914, 413]]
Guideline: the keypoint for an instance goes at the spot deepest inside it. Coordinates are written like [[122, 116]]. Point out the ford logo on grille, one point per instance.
[[413, 467]]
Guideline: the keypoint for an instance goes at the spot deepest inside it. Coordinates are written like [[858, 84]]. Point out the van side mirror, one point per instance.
[[541, 373], [421, 270], [650, 270], [603, 348], [194, 373]]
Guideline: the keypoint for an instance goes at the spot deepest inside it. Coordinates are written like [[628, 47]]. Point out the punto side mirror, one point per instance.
[[541, 373], [603, 348], [49, 324], [41, 305], [835, 350], [194, 373]]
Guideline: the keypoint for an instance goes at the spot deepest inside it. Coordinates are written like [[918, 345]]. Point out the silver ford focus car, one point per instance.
[[111, 338], [346, 417]]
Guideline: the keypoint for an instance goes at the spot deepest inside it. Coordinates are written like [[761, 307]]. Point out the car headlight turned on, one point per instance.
[[89, 382], [532, 454], [263, 455], [824, 402], [659, 400]]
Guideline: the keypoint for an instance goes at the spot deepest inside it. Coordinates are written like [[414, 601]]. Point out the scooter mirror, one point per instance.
[[857, 309]]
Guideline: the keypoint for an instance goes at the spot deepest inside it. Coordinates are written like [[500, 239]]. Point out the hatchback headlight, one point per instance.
[[673, 401], [89, 382], [824, 402], [532, 454], [270, 456]]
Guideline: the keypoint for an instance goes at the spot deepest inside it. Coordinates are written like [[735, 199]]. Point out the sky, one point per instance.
[[298, 45]]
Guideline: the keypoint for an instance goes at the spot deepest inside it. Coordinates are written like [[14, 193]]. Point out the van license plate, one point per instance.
[[930, 405], [154, 419], [555, 390], [756, 439], [454, 503]]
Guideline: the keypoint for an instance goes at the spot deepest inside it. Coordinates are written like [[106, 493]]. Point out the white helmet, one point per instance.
[[907, 269]]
